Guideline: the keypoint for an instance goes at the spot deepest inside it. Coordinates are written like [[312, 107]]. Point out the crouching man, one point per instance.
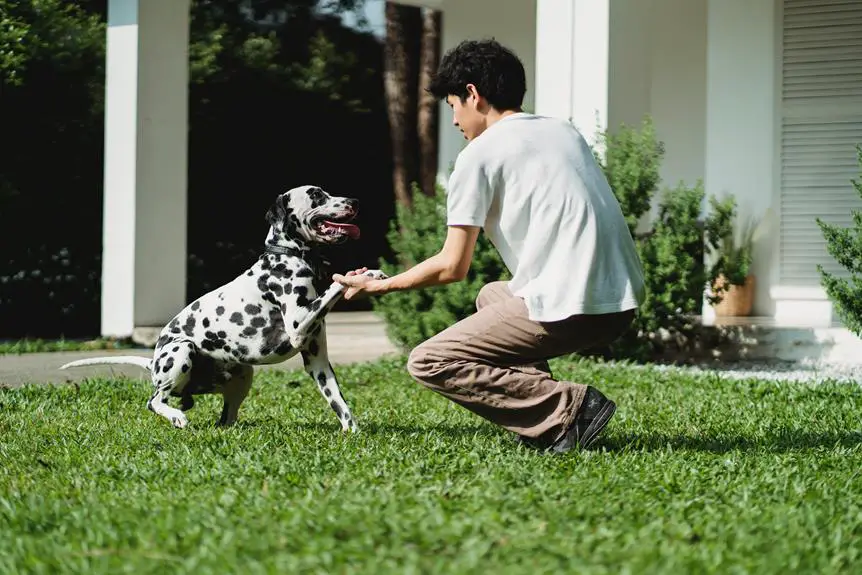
[[533, 185]]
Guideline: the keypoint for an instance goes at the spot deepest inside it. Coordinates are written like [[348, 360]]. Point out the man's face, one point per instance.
[[466, 115]]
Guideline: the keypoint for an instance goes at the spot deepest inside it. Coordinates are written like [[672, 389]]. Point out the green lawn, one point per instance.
[[17, 347], [693, 475]]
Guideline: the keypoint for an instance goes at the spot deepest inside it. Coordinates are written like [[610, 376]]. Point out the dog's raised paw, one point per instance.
[[376, 274]]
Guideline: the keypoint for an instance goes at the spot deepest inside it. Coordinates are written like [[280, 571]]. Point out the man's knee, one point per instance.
[[492, 292], [417, 363]]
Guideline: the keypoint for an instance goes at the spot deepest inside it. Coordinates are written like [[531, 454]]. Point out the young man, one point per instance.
[[534, 186]]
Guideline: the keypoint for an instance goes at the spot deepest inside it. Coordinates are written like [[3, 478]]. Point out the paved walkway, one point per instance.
[[352, 337]]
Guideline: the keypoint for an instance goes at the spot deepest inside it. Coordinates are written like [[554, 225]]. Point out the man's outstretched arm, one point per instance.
[[449, 265]]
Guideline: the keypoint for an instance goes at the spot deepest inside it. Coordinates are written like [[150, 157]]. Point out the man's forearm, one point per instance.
[[436, 270]]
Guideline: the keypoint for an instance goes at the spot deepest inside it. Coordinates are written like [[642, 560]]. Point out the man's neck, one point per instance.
[[495, 116]]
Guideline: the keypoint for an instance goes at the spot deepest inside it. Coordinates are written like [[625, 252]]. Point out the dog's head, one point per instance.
[[310, 215]]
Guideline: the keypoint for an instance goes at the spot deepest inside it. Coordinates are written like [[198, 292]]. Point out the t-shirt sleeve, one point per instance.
[[469, 193]]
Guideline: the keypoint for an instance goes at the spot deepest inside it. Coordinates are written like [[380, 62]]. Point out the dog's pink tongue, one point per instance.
[[350, 229]]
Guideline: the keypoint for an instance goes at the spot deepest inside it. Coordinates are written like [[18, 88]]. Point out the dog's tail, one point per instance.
[[120, 359]]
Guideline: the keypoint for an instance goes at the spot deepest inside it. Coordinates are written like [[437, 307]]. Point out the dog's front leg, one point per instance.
[[320, 307], [316, 360]]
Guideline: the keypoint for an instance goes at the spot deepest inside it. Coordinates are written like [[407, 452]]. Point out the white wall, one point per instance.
[[510, 22], [741, 122]]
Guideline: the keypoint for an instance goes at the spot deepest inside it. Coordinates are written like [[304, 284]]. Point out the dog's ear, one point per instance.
[[276, 212]]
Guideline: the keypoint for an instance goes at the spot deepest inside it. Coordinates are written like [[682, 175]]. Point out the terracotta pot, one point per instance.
[[737, 300]]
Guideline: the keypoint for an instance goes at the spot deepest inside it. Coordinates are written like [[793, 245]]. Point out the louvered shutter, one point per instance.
[[821, 122]]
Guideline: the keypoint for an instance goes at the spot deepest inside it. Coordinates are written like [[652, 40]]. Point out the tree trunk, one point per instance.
[[429, 108], [401, 57]]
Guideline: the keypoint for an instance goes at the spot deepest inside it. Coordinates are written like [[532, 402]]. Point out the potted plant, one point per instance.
[[730, 253]]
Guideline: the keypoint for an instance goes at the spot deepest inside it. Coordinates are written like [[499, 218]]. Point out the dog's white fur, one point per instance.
[[266, 315]]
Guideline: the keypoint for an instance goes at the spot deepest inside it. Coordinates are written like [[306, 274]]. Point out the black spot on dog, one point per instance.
[[275, 288], [269, 298], [304, 273], [175, 330], [163, 340], [236, 318], [262, 282], [206, 322], [222, 334], [283, 348], [313, 348], [208, 345], [211, 335], [327, 392], [249, 331], [249, 273], [243, 350], [302, 292], [176, 349], [220, 310], [252, 309], [196, 306], [185, 367], [295, 324], [336, 408], [156, 366], [169, 364], [189, 326], [258, 321], [226, 348]]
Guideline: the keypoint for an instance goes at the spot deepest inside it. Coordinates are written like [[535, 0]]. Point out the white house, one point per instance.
[[758, 98]]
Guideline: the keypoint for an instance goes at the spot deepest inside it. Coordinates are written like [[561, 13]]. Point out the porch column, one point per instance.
[[144, 218], [572, 64]]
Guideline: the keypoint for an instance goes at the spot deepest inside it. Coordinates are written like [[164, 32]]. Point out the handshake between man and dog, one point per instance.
[[266, 315]]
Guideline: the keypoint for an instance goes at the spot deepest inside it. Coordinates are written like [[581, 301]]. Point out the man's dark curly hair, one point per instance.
[[496, 71]]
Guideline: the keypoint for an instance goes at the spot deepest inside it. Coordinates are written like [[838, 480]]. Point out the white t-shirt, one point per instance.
[[534, 186]]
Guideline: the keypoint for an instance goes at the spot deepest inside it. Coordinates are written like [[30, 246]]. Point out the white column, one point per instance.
[[572, 65], [146, 119], [741, 124]]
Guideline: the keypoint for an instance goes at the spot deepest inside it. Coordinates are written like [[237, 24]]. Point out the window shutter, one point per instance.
[[821, 123]]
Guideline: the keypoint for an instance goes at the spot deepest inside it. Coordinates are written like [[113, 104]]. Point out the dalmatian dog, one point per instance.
[[266, 315]]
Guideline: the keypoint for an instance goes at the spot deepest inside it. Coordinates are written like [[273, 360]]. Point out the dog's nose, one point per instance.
[[352, 204]]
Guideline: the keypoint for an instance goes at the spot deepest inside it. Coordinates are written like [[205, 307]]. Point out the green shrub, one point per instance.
[[631, 163], [845, 245], [674, 273], [416, 234]]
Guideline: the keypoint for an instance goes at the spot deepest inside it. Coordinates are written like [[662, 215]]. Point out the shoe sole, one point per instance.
[[598, 424]]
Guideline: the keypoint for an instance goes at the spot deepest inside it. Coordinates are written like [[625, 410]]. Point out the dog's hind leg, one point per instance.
[[171, 372], [235, 391], [316, 360]]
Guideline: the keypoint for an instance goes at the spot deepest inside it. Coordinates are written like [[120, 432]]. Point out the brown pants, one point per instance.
[[494, 363]]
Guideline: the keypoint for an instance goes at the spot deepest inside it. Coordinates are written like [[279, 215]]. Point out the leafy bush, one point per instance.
[[845, 245], [416, 234], [674, 273]]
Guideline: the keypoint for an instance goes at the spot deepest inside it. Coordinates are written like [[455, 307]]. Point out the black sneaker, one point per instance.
[[595, 413]]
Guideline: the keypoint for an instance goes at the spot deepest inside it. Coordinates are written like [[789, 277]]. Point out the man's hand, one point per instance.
[[358, 285], [450, 265]]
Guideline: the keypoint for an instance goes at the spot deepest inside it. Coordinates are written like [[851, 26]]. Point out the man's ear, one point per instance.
[[275, 214]]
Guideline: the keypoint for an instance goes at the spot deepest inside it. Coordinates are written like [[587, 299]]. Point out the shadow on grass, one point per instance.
[[372, 428], [787, 440]]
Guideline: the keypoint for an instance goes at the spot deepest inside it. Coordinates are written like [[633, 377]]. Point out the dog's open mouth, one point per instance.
[[336, 227]]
